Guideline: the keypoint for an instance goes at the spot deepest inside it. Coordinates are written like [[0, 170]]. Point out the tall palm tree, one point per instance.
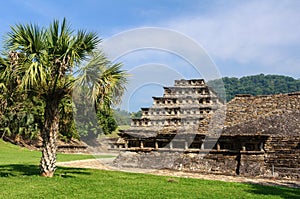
[[42, 60]]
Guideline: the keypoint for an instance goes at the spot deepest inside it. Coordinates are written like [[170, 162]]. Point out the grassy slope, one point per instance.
[[19, 179]]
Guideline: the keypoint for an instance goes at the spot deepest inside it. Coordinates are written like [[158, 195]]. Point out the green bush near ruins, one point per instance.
[[19, 178]]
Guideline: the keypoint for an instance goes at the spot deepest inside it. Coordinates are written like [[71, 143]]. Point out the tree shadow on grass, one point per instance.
[[283, 192], [70, 172], [15, 170]]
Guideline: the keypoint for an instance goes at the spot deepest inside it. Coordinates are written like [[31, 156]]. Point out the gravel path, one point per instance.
[[106, 164]]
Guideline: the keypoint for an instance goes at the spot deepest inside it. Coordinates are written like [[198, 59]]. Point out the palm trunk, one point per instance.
[[49, 135]]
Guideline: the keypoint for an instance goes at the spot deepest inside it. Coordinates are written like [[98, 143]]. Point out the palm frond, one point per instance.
[[58, 37], [35, 75], [3, 87], [83, 44], [27, 38], [116, 80], [3, 64], [105, 83]]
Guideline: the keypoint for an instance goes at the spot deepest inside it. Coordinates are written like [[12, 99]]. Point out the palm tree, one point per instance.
[[99, 85], [42, 62]]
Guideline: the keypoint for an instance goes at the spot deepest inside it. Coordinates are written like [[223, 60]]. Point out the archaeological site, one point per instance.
[[190, 128]]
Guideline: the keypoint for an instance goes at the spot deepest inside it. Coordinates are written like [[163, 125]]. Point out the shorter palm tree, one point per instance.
[[99, 86]]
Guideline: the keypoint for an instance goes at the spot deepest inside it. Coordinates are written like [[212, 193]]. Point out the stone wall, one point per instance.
[[252, 165], [72, 149], [217, 163], [280, 159], [146, 160], [283, 154]]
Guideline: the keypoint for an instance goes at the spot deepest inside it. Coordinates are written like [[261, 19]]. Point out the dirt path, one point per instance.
[[106, 164]]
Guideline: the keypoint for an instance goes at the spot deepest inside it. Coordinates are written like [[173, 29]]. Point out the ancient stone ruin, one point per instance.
[[191, 129]]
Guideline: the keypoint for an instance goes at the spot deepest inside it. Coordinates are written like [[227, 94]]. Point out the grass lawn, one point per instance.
[[19, 178], [12, 154]]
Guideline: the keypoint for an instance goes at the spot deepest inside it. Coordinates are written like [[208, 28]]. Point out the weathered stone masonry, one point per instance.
[[259, 137]]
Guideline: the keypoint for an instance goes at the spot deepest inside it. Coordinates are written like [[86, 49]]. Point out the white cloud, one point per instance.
[[160, 39], [262, 32]]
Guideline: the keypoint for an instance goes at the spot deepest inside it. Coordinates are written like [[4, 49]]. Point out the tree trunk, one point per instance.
[[49, 135]]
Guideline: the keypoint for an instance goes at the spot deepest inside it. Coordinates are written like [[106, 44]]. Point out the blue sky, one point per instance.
[[241, 37]]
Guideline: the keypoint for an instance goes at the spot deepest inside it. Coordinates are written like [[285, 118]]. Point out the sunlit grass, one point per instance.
[[12, 154], [19, 178]]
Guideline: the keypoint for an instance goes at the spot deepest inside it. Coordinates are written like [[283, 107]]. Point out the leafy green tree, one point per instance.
[[19, 115], [136, 115], [42, 60], [107, 121], [122, 117], [67, 127]]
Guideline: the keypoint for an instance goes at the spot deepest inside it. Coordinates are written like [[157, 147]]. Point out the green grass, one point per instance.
[[19, 178], [12, 154]]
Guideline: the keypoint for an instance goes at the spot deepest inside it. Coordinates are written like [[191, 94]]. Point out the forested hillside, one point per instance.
[[257, 85]]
